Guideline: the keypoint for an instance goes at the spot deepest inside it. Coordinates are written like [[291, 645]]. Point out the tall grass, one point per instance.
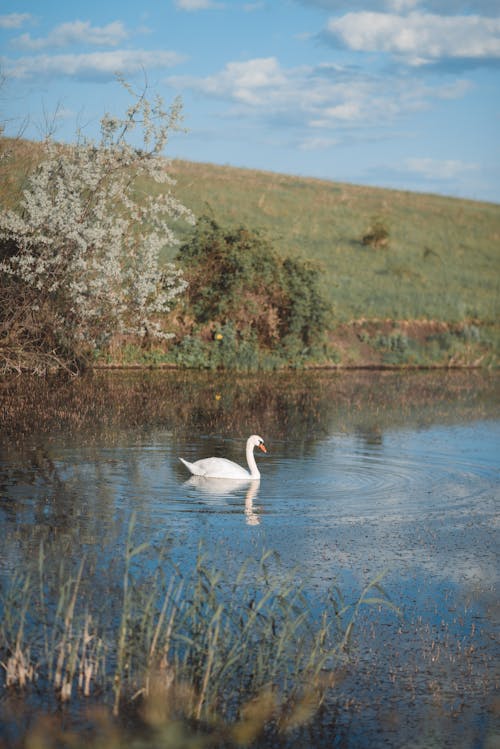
[[200, 648]]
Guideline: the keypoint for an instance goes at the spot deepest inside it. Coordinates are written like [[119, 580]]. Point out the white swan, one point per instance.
[[221, 468]]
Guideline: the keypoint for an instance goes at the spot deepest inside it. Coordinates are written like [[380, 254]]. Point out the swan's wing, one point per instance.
[[217, 468], [221, 468], [193, 467]]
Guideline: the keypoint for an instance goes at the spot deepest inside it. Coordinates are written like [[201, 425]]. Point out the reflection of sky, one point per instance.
[[409, 500], [416, 499]]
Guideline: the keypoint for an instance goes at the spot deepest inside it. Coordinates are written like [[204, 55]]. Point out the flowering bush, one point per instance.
[[81, 255]]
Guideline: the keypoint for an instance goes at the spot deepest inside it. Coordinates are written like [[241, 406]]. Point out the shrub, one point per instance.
[[246, 303], [377, 234], [79, 260]]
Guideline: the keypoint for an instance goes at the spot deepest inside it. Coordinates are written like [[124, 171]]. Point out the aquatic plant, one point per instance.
[[234, 655]]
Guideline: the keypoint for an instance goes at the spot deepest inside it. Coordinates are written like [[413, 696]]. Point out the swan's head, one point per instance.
[[256, 441]]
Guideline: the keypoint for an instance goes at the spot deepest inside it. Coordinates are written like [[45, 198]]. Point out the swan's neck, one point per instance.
[[254, 471]]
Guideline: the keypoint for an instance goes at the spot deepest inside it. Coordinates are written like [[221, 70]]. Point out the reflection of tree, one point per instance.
[[67, 503], [294, 407], [30, 473], [370, 436]]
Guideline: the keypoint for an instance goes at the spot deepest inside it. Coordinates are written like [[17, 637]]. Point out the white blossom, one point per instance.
[[87, 241]]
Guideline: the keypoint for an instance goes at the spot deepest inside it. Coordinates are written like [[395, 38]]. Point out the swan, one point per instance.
[[221, 468]]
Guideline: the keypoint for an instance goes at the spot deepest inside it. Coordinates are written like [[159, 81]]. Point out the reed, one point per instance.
[[17, 664], [226, 655]]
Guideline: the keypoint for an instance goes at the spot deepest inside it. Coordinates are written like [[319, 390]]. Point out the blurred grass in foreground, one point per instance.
[[194, 655]]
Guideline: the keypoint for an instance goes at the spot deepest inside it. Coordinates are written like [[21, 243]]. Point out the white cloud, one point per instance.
[[317, 144], [14, 20], [197, 4], [402, 6], [348, 111], [247, 82], [441, 7], [419, 38], [93, 65], [455, 89], [322, 97], [437, 169], [75, 32]]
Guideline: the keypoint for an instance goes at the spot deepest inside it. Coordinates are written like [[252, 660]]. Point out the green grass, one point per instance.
[[441, 261]]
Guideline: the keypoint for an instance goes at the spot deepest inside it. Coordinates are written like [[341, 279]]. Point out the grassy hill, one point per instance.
[[442, 260], [429, 294]]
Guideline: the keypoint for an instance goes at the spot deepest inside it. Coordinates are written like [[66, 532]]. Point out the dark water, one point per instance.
[[365, 474]]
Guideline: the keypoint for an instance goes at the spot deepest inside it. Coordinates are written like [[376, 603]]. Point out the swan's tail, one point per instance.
[[192, 468]]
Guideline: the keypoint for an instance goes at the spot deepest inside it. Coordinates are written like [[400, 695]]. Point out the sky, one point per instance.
[[402, 94]]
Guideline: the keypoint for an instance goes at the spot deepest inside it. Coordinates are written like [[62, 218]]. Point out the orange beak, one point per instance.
[[263, 448]]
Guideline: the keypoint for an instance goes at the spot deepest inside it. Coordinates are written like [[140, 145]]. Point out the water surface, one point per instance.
[[365, 474]]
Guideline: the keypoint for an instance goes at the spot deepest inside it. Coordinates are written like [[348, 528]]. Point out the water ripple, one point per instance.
[[405, 474]]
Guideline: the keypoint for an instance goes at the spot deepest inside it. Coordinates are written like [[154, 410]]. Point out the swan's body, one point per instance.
[[221, 468]]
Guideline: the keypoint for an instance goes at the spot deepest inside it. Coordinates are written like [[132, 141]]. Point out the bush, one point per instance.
[[245, 305], [79, 260], [377, 234]]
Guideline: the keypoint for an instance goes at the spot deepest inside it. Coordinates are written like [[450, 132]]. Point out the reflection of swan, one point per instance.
[[251, 516], [220, 487], [221, 468]]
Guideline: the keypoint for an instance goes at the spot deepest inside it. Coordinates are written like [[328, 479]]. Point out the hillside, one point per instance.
[[427, 295], [442, 260]]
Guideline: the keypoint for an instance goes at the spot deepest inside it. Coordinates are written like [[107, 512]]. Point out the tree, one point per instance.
[[80, 257]]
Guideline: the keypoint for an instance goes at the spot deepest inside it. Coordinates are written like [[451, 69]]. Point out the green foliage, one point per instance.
[[445, 346], [246, 307]]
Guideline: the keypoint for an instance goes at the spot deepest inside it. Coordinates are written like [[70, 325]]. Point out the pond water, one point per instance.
[[366, 474]]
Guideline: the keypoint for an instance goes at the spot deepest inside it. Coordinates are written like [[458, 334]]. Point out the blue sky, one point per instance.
[[391, 93]]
